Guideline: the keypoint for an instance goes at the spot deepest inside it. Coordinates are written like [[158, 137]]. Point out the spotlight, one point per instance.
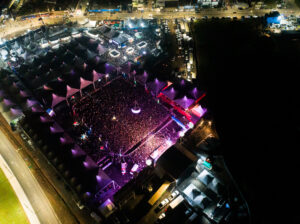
[[148, 162], [181, 133], [191, 125]]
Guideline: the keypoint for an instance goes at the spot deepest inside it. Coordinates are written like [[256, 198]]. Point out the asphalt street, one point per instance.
[[31, 187], [18, 26]]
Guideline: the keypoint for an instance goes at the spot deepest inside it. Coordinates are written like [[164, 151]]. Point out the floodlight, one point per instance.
[[148, 162], [191, 125], [181, 133]]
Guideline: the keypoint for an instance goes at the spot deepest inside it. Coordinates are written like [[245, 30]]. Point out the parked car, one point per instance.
[[163, 203], [173, 195], [162, 215]]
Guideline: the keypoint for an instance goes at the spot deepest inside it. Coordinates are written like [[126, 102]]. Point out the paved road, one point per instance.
[[17, 27], [32, 189]]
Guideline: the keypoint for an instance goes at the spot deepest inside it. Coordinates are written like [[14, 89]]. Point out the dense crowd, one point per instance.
[[164, 137], [108, 118]]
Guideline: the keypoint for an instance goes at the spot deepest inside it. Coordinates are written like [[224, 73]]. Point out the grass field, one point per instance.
[[11, 211]]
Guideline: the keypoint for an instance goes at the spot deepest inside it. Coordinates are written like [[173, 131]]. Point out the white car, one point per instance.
[[163, 203], [173, 195], [162, 215]]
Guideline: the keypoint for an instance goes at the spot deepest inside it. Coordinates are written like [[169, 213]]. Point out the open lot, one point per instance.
[[11, 211]]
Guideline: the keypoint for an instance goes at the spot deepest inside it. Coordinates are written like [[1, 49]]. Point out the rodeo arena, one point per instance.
[[82, 97]]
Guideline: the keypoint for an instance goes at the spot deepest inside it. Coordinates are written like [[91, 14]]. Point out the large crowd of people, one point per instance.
[[164, 137], [106, 122]]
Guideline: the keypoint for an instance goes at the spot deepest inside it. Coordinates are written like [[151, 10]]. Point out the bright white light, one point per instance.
[[125, 58], [144, 52], [83, 137], [181, 133], [154, 154], [191, 125], [136, 110], [130, 25], [142, 25], [169, 142], [148, 162], [129, 50], [107, 75]]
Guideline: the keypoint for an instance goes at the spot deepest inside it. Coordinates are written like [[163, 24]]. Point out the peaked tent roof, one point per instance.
[[216, 186], [143, 77], [97, 76], [46, 119], [66, 139], [56, 99], [156, 86], [89, 163], [101, 49], [184, 102], [31, 102], [195, 93], [77, 151], [71, 91], [16, 111], [170, 92], [84, 83], [37, 109], [56, 128], [205, 177]]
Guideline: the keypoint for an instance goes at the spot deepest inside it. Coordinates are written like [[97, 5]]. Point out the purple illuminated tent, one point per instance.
[[46, 119], [71, 91], [96, 77], [30, 102], [56, 128], [170, 92], [77, 152], [101, 50], [84, 83], [15, 111], [89, 164], [155, 86], [184, 102], [37, 109], [66, 140], [46, 87], [8, 102], [195, 93], [143, 78], [24, 93], [56, 99]]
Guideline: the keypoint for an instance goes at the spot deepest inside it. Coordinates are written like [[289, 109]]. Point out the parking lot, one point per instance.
[[181, 44]]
